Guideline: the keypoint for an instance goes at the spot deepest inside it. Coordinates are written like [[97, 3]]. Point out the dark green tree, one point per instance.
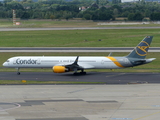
[[131, 16], [138, 16], [155, 16], [135, 16], [14, 5], [87, 16], [25, 15]]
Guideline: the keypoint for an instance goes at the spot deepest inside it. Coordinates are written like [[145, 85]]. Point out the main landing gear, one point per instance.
[[83, 73], [80, 73]]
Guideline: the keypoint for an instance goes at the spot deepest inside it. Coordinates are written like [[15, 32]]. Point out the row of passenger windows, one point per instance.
[[65, 61]]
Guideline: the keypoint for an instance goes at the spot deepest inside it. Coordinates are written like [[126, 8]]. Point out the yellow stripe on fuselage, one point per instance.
[[115, 61]]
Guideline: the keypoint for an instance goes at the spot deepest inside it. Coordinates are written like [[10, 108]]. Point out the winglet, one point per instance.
[[141, 50]]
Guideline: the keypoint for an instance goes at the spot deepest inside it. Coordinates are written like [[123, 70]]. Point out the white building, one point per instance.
[[129, 1]]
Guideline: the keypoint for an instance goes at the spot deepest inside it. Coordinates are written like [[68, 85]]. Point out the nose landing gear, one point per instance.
[[18, 73]]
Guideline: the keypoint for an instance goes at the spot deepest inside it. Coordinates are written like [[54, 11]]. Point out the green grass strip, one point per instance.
[[29, 82], [78, 38]]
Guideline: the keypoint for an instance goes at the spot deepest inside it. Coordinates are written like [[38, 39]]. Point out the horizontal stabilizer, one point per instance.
[[150, 60], [144, 60]]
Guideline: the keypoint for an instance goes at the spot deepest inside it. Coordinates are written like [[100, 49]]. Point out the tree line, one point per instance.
[[86, 9]]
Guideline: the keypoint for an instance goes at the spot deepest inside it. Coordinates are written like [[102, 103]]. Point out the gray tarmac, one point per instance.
[[74, 28], [122, 96], [80, 102], [72, 49], [106, 77]]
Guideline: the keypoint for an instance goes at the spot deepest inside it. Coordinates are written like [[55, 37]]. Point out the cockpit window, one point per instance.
[[7, 60]]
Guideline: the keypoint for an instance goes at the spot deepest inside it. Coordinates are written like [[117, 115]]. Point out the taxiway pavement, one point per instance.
[[106, 77], [123, 96], [72, 49], [74, 28], [80, 102]]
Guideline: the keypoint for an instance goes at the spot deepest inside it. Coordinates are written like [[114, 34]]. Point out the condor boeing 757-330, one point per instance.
[[64, 64]]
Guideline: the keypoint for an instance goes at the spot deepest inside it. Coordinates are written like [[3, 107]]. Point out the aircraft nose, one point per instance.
[[4, 64]]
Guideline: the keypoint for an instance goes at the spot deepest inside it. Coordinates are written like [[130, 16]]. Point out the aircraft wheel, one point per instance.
[[18, 73], [83, 73], [75, 73]]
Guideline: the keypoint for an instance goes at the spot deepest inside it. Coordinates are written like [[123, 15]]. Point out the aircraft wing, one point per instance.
[[79, 65], [75, 65]]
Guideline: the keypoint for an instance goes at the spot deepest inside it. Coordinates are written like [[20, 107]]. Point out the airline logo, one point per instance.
[[26, 62], [142, 48]]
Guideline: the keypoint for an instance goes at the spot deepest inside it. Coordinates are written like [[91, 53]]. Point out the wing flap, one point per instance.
[[86, 66]]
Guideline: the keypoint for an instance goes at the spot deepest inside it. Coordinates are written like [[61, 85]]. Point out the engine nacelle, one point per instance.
[[60, 69]]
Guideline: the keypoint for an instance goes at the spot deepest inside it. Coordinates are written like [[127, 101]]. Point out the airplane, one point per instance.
[[62, 64]]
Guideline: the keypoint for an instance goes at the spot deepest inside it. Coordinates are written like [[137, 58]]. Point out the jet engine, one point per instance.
[[60, 69]]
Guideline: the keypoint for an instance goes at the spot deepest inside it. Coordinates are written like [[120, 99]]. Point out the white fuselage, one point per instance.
[[49, 62]]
